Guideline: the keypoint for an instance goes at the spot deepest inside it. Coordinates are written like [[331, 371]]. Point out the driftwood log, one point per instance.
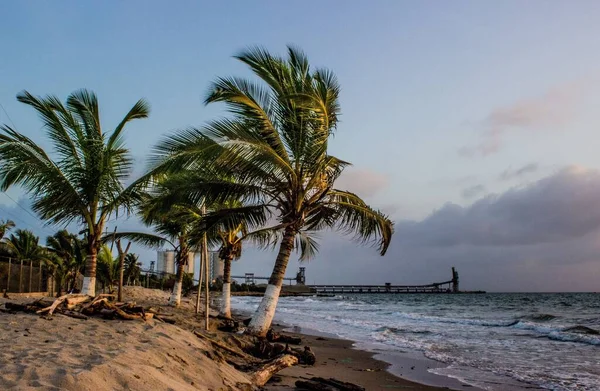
[[262, 375], [220, 345], [305, 356], [273, 336], [322, 384], [81, 306]]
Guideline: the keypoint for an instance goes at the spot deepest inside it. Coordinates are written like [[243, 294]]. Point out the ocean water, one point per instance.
[[548, 340]]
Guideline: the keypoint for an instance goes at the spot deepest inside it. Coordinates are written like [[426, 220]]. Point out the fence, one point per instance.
[[23, 276]]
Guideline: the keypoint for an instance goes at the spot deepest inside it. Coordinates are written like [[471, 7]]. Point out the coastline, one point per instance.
[[342, 359], [75, 354], [345, 360]]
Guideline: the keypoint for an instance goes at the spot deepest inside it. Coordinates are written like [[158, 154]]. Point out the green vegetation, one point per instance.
[[263, 174]]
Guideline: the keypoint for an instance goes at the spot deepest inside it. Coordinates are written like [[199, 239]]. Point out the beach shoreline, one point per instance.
[[346, 360], [96, 354]]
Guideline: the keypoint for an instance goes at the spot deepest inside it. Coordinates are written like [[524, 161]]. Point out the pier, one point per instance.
[[450, 286]]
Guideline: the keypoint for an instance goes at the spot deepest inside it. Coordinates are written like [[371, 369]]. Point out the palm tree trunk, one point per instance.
[[226, 295], [175, 299], [261, 321], [89, 278]]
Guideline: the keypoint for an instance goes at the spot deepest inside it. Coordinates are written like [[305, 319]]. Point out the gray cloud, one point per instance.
[[560, 207], [472, 191], [519, 172], [541, 237]]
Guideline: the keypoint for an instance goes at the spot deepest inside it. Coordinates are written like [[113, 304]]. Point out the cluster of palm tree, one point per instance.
[[64, 256], [261, 175]]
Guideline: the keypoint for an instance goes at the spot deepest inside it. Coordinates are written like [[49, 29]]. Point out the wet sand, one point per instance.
[[339, 359]]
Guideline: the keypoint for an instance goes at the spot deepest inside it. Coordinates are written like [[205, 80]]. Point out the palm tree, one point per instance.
[[83, 179], [108, 268], [228, 235], [272, 153], [172, 228], [5, 226], [68, 248], [24, 245], [132, 269]]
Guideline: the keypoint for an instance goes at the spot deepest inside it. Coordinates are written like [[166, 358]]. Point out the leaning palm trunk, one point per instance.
[[89, 278], [261, 321], [175, 299], [226, 295]]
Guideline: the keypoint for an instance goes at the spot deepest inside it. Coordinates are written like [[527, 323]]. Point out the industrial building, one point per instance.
[[165, 262], [217, 266]]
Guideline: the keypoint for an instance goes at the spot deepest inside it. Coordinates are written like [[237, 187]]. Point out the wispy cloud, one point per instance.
[[472, 191], [365, 183], [554, 109], [511, 173]]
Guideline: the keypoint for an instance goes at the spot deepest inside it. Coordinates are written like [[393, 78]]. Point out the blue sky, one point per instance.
[[439, 100]]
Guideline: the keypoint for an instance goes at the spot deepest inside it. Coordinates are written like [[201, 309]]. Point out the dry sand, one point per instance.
[[96, 354]]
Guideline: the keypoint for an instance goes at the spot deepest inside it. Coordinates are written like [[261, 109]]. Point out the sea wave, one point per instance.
[[539, 317]]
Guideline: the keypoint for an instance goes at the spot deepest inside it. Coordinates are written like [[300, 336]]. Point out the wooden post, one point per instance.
[[8, 277], [21, 277], [40, 278], [200, 279], [30, 274], [205, 252]]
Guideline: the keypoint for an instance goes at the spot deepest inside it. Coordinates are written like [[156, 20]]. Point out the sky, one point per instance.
[[473, 124]]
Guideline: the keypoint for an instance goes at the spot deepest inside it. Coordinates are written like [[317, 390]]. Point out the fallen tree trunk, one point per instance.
[[306, 356], [73, 301], [220, 345], [272, 336], [261, 376], [56, 303]]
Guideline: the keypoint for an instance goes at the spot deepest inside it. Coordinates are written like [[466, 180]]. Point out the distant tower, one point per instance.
[[152, 266], [455, 286], [216, 266], [301, 276]]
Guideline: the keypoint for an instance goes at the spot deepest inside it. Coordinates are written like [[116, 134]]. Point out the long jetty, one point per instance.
[[450, 286]]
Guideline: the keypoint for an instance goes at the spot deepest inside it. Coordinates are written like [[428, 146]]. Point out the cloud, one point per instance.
[[472, 191], [557, 208], [365, 183], [509, 173], [554, 109], [544, 236]]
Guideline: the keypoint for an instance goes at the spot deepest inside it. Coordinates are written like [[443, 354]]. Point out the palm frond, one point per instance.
[[144, 239], [354, 217]]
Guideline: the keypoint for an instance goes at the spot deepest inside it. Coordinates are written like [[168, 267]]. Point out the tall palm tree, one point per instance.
[[273, 152], [82, 178], [172, 227], [227, 230], [5, 226]]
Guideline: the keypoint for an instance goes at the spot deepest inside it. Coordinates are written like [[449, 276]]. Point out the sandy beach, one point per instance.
[[96, 354]]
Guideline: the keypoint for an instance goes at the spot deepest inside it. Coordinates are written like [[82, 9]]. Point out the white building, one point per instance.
[[165, 262]]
